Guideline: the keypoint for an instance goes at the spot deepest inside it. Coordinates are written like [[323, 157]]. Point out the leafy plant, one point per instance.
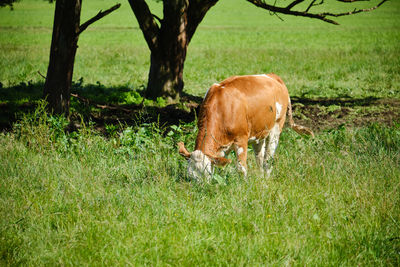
[[111, 129]]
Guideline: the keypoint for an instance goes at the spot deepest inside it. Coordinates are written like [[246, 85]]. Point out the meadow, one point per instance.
[[121, 197]]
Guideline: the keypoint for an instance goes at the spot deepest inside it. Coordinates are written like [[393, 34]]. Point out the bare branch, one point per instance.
[[284, 10], [279, 17], [350, 1], [44, 77], [99, 15], [313, 4], [321, 16], [294, 3], [158, 18], [355, 11]]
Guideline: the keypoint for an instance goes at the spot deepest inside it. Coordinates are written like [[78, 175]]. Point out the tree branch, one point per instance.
[[321, 16], [99, 15], [158, 18], [196, 12], [146, 21], [294, 3], [313, 4], [355, 11], [350, 1]]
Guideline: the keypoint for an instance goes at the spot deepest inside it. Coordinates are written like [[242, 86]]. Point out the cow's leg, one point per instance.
[[271, 147], [241, 154], [259, 152]]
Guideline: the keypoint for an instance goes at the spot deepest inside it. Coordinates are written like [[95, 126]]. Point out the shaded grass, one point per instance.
[[78, 198]]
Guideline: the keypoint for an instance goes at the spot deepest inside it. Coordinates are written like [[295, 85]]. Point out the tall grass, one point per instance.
[[81, 199]]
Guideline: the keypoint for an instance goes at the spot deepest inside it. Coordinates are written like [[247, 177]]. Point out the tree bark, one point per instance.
[[167, 61], [62, 55], [166, 77], [168, 42], [64, 43]]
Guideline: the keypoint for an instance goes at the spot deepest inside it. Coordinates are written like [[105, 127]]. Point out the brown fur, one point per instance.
[[237, 109]]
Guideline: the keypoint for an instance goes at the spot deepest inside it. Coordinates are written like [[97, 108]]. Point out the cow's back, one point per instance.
[[246, 105]]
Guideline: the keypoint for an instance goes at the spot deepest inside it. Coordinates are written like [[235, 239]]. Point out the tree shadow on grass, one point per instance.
[[98, 103], [125, 106], [16, 100]]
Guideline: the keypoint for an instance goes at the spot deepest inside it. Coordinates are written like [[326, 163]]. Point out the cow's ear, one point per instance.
[[183, 151], [220, 161]]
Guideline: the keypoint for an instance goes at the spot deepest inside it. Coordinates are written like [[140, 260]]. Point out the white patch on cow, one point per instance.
[[199, 165], [259, 152], [215, 84], [278, 110], [262, 75], [273, 139], [272, 145], [224, 150], [238, 149], [242, 169], [206, 93], [254, 140]]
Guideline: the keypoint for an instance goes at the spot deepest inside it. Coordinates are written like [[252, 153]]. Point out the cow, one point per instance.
[[238, 111]]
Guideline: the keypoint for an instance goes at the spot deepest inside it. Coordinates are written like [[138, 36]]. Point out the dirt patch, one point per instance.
[[321, 114]]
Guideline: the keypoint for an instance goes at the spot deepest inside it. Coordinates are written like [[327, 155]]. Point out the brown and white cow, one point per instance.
[[237, 111]]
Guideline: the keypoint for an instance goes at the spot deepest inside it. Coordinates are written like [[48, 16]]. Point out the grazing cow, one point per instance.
[[235, 112]]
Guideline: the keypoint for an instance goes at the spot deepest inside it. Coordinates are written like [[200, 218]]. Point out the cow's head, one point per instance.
[[199, 164]]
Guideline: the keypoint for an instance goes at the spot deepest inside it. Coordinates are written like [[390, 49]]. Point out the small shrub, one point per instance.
[[111, 129]]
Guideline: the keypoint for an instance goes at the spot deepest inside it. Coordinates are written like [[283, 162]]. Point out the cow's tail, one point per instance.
[[298, 128]]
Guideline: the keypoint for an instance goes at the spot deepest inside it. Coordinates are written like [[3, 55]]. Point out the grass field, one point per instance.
[[84, 198], [80, 199], [358, 58]]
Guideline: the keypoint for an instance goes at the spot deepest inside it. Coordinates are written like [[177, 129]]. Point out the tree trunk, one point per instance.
[[62, 55], [168, 42], [168, 57], [165, 78]]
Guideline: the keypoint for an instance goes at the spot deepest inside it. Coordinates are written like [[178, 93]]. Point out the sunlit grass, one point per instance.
[[82, 199], [358, 58]]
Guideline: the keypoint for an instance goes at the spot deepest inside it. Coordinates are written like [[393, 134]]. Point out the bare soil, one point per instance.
[[321, 114]]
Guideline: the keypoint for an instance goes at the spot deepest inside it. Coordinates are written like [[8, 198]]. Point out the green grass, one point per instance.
[[358, 58], [81, 199]]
